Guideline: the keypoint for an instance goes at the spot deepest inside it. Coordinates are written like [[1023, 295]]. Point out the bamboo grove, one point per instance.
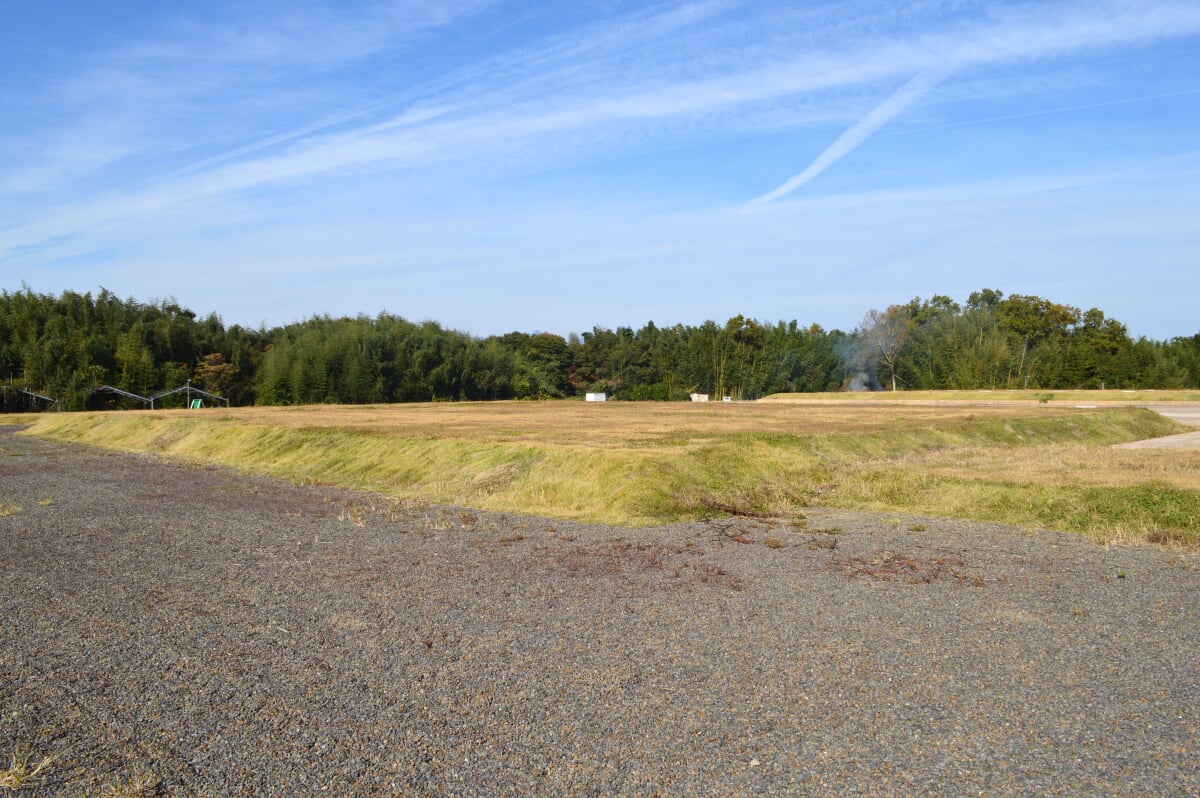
[[65, 346]]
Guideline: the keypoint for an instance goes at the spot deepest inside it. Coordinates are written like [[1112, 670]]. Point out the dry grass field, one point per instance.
[[614, 425], [1110, 397], [1033, 460]]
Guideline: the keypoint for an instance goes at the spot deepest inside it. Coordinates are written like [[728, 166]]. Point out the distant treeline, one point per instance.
[[65, 346]]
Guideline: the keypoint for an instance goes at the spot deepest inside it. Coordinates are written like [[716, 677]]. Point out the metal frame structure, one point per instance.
[[110, 389], [146, 401], [189, 389], [32, 395]]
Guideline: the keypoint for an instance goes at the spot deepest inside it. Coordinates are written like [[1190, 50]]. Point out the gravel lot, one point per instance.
[[235, 635]]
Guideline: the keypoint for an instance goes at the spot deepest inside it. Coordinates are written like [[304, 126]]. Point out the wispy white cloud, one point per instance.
[[203, 81], [1061, 109], [282, 33], [1042, 35], [71, 155], [663, 69], [615, 265], [540, 98]]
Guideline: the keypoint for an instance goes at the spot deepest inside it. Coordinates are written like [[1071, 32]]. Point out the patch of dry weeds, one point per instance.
[[890, 566], [682, 565]]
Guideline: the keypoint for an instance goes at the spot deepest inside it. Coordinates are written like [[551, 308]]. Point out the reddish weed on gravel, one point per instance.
[[889, 565], [683, 565]]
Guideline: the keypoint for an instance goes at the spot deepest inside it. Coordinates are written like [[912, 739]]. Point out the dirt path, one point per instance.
[[236, 636]]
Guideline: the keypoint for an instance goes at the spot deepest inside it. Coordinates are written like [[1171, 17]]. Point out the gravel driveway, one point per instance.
[[235, 635]]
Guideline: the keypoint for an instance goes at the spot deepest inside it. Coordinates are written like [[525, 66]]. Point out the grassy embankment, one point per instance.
[[643, 463]]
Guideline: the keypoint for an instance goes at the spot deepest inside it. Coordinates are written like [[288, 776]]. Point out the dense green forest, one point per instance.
[[63, 347]]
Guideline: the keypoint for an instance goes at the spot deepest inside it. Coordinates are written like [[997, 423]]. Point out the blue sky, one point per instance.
[[507, 165]]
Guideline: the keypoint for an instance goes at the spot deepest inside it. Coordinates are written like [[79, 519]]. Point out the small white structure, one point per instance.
[[597, 397], [699, 397], [727, 399]]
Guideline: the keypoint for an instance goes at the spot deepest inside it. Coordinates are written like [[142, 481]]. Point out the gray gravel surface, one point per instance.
[[235, 635]]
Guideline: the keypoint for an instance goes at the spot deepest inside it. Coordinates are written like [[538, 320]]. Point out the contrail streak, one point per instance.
[[859, 132]]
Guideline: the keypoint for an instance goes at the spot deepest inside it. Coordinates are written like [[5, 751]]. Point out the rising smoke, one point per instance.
[[857, 366]]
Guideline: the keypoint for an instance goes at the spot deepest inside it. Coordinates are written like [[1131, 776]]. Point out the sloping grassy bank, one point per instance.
[[1153, 511], [635, 485], [691, 470]]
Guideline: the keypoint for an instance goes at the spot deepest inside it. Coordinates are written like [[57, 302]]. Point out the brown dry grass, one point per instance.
[[24, 771], [624, 425], [1062, 465], [1109, 397]]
